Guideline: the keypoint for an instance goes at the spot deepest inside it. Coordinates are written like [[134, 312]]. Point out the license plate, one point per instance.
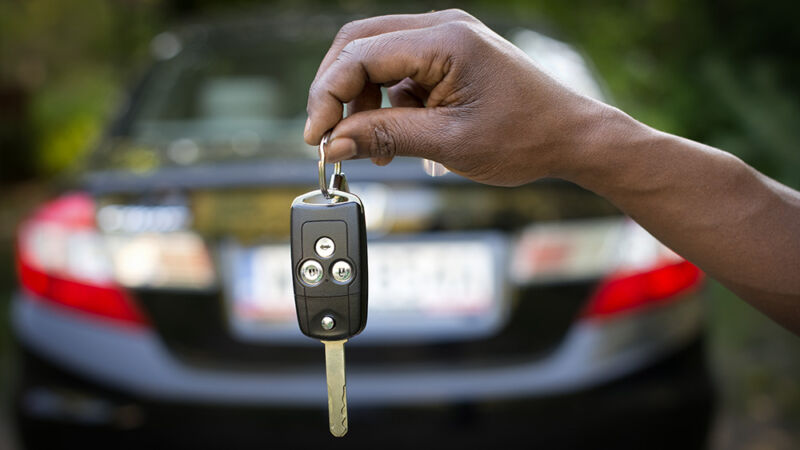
[[432, 287]]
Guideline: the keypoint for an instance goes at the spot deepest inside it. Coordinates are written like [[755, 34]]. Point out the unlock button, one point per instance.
[[342, 272]]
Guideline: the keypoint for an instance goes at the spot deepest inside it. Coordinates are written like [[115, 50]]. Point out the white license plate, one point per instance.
[[426, 288]]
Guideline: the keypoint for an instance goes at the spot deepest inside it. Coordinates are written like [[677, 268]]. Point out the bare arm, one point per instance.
[[738, 225], [467, 98]]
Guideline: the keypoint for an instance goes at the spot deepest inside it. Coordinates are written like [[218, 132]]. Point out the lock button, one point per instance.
[[311, 272]]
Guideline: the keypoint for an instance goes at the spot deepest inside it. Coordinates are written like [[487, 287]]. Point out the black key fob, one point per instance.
[[329, 264]]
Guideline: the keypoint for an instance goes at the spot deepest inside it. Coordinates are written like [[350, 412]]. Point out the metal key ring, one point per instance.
[[337, 167]]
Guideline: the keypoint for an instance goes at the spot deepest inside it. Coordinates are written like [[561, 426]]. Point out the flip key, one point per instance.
[[329, 260]]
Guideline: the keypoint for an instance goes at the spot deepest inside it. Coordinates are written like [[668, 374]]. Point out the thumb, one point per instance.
[[382, 134]]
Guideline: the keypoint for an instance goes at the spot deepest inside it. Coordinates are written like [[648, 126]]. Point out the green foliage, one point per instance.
[[719, 72], [69, 60], [722, 73], [70, 115]]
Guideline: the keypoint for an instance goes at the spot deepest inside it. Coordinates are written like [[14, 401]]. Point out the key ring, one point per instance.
[[337, 167]]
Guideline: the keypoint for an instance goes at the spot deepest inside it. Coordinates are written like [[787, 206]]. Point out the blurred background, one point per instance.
[[722, 73]]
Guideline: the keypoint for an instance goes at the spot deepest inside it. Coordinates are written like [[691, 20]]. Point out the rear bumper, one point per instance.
[[636, 383], [137, 363], [668, 406]]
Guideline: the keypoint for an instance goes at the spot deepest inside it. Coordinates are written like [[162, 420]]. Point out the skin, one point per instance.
[[467, 98]]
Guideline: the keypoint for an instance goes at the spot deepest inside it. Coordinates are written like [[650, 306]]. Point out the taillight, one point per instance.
[[625, 292], [635, 269], [62, 259]]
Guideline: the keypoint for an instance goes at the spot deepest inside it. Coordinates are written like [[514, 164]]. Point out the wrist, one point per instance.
[[603, 141]]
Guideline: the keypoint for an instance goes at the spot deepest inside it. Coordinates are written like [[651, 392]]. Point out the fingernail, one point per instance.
[[340, 149], [308, 125]]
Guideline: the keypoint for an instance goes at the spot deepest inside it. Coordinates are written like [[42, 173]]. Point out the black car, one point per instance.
[[155, 305]]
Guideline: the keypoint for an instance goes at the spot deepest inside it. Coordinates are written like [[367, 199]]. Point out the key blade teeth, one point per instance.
[[337, 410], [337, 387]]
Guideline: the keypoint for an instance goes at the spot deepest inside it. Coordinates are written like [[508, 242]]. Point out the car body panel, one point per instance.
[[136, 361]]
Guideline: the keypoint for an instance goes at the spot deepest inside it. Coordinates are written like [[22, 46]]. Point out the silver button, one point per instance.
[[311, 272], [328, 323], [342, 272], [324, 247]]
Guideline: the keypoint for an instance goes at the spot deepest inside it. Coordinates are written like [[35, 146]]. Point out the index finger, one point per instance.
[[389, 57]]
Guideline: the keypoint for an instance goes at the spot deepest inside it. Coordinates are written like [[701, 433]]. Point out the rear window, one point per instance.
[[229, 96]]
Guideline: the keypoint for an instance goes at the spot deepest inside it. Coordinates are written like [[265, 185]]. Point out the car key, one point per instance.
[[329, 267]]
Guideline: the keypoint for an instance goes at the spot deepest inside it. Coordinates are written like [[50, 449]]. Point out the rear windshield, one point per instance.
[[226, 96]]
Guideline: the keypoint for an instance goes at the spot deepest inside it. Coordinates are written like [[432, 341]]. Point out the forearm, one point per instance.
[[738, 225]]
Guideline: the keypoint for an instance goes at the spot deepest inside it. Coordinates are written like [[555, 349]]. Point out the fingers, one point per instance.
[[390, 57], [407, 93], [369, 27], [382, 134], [374, 26]]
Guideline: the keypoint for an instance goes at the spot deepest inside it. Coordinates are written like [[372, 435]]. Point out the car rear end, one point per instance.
[[155, 304]]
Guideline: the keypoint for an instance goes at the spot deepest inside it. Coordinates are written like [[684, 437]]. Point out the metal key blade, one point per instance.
[[337, 387]]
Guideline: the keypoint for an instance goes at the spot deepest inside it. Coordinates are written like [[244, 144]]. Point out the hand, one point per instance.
[[461, 95]]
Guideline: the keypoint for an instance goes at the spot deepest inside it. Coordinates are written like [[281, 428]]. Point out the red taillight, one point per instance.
[[626, 292], [60, 259]]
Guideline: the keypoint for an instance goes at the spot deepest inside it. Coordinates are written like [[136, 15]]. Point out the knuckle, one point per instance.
[[356, 29], [348, 31], [384, 142], [457, 14], [458, 29], [467, 35]]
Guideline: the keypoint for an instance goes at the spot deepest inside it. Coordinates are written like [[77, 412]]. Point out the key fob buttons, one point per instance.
[[342, 272], [329, 259], [324, 247], [311, 272]]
